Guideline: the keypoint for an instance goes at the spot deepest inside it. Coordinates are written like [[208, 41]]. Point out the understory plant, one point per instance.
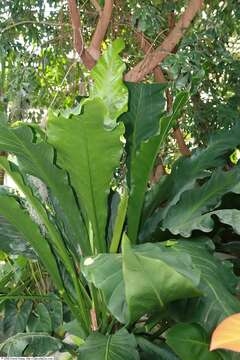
[[134, 274]]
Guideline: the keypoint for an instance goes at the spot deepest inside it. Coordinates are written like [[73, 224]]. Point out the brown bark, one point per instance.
[[182, 146], [86, 58], [148, 48], [101, 29], [151, 60], [96, 5], [158, 172]]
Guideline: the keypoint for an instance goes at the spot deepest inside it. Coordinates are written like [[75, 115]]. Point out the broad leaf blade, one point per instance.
[[108, 84], [146, 106], [18, 217], [40, 320], [226, 216], [187, 170], [190, 341], [37, 344], [218, 284], [230, 217], [155, 276], [185, 215], [120, 346], [152, 351], [105, 272], [136, 290], [146, 129], [90, 153], [37, 159], [16, 317]]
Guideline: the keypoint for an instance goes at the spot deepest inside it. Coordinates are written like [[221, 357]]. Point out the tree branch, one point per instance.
[[97, 6], [183, 148], [101, 29], [149, 63], [86, 58], [148, 48]]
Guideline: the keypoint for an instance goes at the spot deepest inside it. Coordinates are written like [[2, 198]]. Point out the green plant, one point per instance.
[[96, 161]]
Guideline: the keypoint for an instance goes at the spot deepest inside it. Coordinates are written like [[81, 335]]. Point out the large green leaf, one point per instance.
[[40, 320], [55, 309], [53, 235], [40, 211], [154, 276], [146, 106], [16, 317], [90, 153], [108, 82], [152, 351], [120, 346], [105, 271], [37, 159], [187, 170], [18, 217], [190, 341], [146, 129], [185, 216], [218, 284], [30, 344]]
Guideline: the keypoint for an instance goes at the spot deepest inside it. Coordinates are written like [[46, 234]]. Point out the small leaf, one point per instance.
[[41, 322], [227, 334], [108, 83]]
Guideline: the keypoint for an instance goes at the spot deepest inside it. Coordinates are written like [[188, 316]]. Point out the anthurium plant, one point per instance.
[[131, 264]]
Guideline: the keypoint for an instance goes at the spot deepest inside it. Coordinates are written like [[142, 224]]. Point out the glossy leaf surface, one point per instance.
[[190, 341], [120, 346], [90, 153]]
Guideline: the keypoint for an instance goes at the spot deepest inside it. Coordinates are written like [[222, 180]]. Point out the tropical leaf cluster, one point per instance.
[[137, 270]]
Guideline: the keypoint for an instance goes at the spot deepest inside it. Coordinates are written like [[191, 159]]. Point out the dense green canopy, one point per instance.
[[39, 67]]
